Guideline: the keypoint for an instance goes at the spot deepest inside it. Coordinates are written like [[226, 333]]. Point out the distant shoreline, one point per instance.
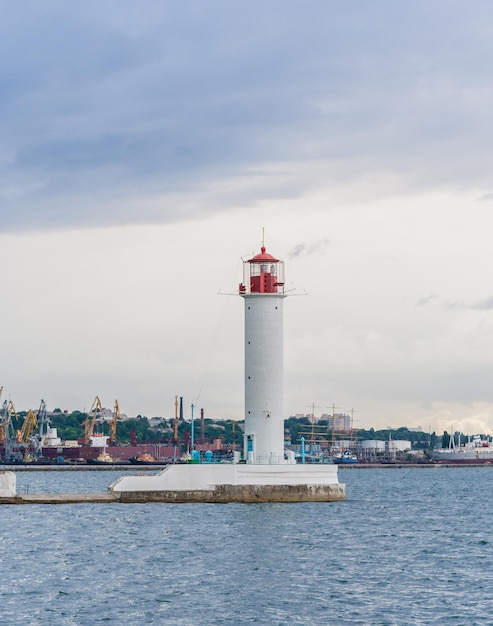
[[126, 468]]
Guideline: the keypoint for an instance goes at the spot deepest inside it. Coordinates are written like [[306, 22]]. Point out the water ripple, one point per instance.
[[408, 546]]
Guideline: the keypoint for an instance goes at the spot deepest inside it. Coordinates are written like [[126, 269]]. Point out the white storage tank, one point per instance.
[[400, 445], [373, 445]]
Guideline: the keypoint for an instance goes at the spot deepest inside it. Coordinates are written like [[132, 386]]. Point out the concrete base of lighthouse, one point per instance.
[[233, 483]]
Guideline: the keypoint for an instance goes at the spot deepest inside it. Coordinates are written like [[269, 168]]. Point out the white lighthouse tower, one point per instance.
[[263, 475], [263, 291]]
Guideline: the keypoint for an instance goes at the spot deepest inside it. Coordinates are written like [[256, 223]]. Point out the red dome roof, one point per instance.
[[263, 256]]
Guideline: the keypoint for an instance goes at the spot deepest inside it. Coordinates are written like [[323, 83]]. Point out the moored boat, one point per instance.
[[145, 459], [476, 451], [105, 459], [345, 457]]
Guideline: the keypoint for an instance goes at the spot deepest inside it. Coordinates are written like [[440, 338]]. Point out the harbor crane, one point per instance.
[[95, 411], [44, 425], [175, 422], [4, 421], [116, 416], [23, 435], [6, 428]]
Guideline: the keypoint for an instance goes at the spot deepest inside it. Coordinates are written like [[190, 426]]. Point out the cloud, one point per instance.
[[483, 305], [479, 305], [148, 147], [307, 249], [426, 300], [485, 198], [102, 103]]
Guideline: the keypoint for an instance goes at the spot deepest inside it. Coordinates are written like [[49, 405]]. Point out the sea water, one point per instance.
[[407, 546]]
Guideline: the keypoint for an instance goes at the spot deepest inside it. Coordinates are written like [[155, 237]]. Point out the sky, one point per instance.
[[147, 148]]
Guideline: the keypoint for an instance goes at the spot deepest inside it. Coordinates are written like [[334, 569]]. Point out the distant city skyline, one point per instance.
[[339, 421]]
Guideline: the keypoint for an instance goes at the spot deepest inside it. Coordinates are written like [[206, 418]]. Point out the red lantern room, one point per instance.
[[262, 274]]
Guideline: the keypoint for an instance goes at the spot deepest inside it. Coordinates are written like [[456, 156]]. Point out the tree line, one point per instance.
[[70, 426]]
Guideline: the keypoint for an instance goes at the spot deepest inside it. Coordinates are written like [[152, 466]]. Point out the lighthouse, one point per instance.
[[263, 292], [263, 474]]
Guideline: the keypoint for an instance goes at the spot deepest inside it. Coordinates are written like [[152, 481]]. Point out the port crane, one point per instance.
[[4, 421], [95, 411], [23, 435], [175, 422], [3, 413], [6, 428], [116, 416], [43, 423]]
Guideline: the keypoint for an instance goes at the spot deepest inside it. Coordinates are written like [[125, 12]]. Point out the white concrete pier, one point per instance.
[[233, 483]]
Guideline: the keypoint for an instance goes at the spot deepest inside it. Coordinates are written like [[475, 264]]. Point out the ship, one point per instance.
[[38, 441], [50, 449], [145, 459], [344, 458], [477, 451], [161, 452], [104, 458]]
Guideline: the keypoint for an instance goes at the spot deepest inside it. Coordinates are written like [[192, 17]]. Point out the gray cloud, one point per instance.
[[487, 197], [105, 102], [483, 305], [307, 249], [480, 305], [456, 306], [426, 300]]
